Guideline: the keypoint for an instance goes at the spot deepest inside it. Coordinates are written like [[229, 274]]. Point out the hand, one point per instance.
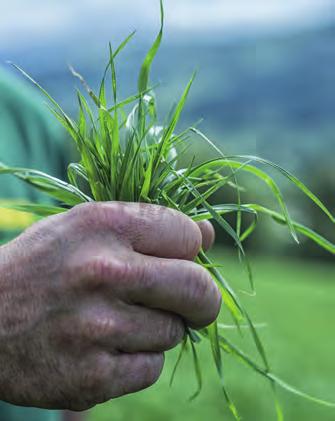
[[90, 299]]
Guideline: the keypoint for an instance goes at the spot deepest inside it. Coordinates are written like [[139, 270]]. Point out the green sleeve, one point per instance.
[[19, 413], [29, 137]]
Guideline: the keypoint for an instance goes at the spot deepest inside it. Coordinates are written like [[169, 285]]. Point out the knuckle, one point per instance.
[[98, 268], [86, 213], [86, 329], [105, 328], [97, 214], [87, 274], [102, 269], [140, 275]]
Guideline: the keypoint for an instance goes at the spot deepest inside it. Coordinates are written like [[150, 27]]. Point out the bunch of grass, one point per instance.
[[130, 157]]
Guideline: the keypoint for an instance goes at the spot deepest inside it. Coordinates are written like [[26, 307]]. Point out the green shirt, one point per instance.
[[29, 137]]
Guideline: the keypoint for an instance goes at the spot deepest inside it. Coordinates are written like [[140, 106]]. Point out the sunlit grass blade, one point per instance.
[[75, 172], [204, 215], [86, 86], [131, 99], [294, 180], [84, 106], [291, 389], [60, 190], [250, 229], [238, 191], [33, 208], [143, 78], [44, 92], [307, 232], [113, 74], [217, 217], [168, 132]]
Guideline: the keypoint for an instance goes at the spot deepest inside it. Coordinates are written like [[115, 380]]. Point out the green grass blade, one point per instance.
[[229, 347], [143, 78], [213, 337], [183, 348], [238, 191], [203, 214], [258, 173], [307, 232], [168, 132], [86, 86], [291, 389], [197, 370], [113, 74], [84, 105], [44, 92], [33, 208], [229, 297], [56, 188], [301, 186], [124, 43], [257, 341]]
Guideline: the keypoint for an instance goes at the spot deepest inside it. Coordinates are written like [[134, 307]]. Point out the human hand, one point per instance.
[[90, 300]]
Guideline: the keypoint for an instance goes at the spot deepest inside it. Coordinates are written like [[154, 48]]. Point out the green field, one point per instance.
[[297, 301]]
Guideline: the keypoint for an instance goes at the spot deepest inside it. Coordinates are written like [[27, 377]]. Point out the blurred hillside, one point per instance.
[[270, 95]]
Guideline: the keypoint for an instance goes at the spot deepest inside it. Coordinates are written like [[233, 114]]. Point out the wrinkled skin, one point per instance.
[[90, 300]]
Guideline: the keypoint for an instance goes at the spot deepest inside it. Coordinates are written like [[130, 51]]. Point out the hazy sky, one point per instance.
[[36, 20]]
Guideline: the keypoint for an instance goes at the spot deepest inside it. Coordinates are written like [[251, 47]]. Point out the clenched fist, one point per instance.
[[90, 299]]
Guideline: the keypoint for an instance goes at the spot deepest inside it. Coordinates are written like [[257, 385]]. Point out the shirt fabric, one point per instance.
[[31, 138]]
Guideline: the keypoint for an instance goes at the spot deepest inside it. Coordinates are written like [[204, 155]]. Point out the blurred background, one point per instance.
[[265, 85]]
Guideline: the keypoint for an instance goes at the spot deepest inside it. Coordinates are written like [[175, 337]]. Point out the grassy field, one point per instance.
[[297, 301]]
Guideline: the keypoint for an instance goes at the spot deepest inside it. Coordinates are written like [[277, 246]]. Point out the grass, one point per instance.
[[132, 156], [297, 300]]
